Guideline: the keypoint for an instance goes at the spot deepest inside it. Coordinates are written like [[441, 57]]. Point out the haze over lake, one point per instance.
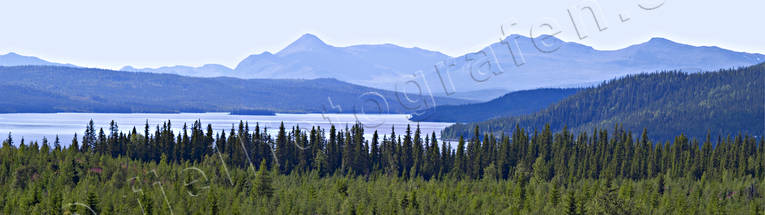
[[35, 126]]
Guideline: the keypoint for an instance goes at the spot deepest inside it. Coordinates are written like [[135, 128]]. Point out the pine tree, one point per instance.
[[417, 153], [447, 159], [375, 151], [71, 172], [212, 202], [555, 194], [89, 139], [282, 149], [460, 161], [571, 204], [332, 150], [407, 153], [45, 146], [8, 141], [100, 145], [541, 170], [147, 204], [660, 185], [57, 144], [74, 146], [609, 203], [92, 202], [263, 187], [55, 207]]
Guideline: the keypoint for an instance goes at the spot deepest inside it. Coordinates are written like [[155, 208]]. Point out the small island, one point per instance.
[[254, 112]]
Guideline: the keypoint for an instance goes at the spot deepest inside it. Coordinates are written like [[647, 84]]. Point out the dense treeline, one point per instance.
[[565, 156], [666, 103], [318, 171]]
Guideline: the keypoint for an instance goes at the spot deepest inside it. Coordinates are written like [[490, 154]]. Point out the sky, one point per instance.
[[151, 33]]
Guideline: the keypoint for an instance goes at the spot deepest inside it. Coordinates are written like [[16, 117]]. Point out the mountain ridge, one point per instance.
[[571, 64], [528, 66], [559, 64], [71, 89], [666, 103], [15, 59], [511, 104]]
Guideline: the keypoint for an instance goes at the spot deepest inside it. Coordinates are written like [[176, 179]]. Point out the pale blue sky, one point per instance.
[[152, 33]]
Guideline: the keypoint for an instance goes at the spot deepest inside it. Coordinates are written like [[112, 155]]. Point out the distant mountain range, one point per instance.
[[531, 64], [205, 71], [666, 104], [71, 89], [13, 59], [378, 66], [516, 63], [512, 104]]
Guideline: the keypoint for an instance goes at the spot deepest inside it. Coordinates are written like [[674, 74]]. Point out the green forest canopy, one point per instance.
[[339, 171], [666, 103]]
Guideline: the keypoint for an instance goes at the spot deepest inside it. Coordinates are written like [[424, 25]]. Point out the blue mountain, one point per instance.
[[206, 71], [13, 59], [540, 62], [546, 61], [379, 66], [72, 89], [370, 65]]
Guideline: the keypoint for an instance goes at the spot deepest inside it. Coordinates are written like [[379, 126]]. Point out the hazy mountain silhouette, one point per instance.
[[72, 89], [13, 59], [542, 62], [515, 63], [550, 62]]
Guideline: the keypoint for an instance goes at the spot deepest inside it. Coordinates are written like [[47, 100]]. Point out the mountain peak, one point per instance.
[[309, 37], [307, 42], [516, 36], [661, 41], [14, 59]]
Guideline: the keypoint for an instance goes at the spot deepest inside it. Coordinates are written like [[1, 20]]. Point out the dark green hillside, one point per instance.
[[339, 171], [666, 103], [67, 89], [511, 104]]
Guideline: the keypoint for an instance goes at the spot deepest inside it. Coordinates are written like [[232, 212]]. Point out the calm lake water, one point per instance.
[[35, 126]]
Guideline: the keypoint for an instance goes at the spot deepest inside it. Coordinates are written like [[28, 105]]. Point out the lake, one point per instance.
[[35, 126]]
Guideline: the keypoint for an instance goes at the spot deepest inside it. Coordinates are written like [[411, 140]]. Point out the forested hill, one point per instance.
[[665, 103], [68, 89], [512, 104]]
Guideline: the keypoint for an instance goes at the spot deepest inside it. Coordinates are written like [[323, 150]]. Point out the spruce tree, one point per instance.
[[55, 207], [460, 162], [89, 139], [74, 146], [263, 187], [212, 202], [571, 204], [375, 151], [147, 204], [92, 202], [57, 144], [555, 194], [8, 141]]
